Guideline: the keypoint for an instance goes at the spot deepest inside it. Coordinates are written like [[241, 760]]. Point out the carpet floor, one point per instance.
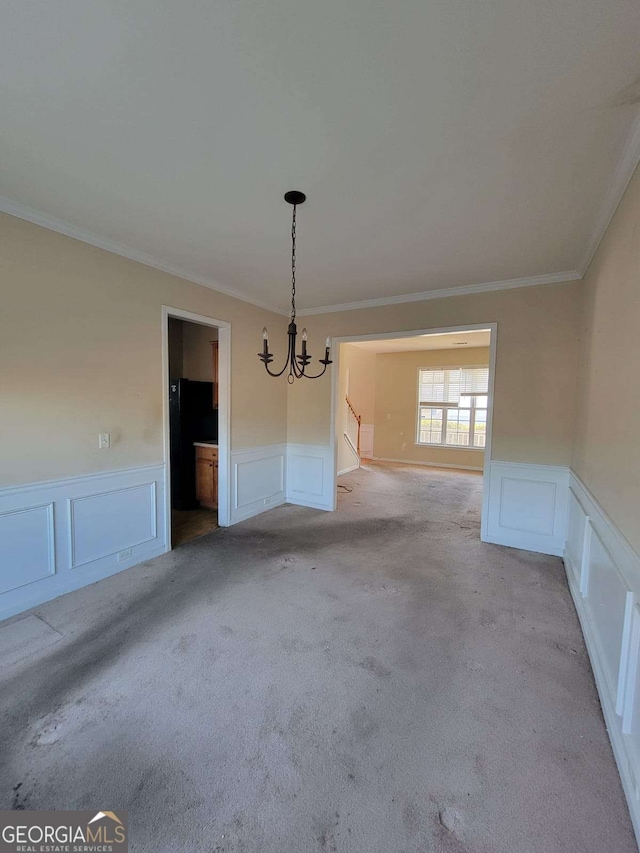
[[374, 680]]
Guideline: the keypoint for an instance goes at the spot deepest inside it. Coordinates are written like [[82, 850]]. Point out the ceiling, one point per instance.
[[442, 144], [450, 340]]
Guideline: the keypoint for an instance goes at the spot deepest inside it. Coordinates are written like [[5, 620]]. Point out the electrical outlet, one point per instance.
[[104, 440], [124, 555]]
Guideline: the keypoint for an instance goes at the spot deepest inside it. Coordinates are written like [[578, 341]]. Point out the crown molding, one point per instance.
[[45, 220], [624, 170], [623, 173], [465, 290]]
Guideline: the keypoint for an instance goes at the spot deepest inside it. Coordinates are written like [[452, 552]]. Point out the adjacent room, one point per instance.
[[319, 471], [194, 390], [421, 401]]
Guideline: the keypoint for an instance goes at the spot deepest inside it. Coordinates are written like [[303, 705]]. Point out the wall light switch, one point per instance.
[[104, 440]]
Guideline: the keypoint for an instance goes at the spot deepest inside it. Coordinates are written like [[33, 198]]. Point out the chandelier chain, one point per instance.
[[296, 364], [293, 265]]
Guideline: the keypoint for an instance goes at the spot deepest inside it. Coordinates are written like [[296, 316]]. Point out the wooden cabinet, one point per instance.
[[207, 476]]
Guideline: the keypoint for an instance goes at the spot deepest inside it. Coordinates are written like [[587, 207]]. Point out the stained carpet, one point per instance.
[[375, 680]]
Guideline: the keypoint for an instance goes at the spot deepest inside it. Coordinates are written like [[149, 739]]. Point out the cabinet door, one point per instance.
[[215, 483], [204, 481]]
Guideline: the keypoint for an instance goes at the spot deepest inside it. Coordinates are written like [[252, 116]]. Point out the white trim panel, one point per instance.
[[103, 524], [27, 546], [310, 469], [257, 480], [366, 441], [603, 572], [527, 506], [60, 535]]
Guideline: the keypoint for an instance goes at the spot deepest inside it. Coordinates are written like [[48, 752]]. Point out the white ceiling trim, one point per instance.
[[466, 290], [627, 164], [623, 173], [54, 224]]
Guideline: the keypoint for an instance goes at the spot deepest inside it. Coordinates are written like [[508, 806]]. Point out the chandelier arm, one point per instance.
[[296, 368], [275, 375], [317, 375]]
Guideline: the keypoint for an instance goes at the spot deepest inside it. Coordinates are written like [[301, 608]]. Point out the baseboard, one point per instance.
[[603, 572], [60, 535], [310, 476], [348, 470], [257, 480], [525, 506], [428, 464]]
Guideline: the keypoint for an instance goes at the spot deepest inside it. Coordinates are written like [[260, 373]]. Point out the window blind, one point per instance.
[[474, 380], [446, 385]]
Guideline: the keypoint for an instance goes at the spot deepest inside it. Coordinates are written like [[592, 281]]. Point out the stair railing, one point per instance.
[[358, 419]]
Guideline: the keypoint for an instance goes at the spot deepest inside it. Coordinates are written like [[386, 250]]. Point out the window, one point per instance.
[[452, 406]]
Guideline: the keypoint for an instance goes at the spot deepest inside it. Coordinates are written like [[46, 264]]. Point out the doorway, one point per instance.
[[196, 383], [420, 398]]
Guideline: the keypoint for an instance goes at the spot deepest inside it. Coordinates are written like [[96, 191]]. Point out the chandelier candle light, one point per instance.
[[297, 364]]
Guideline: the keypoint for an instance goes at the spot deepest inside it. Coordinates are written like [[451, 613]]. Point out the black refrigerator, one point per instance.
[[191, 418]]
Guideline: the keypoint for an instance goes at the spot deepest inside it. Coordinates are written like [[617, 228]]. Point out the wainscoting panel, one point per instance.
[[527, 506], [257, 480], [606, 602], [59, 535], [604, 578], [27, 546], [578, 540], [366, 441], [104, 524], [310, 476]]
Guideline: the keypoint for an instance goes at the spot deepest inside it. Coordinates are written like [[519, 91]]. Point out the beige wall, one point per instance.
[[80, 343], [358, 366], [197, 354], [80, 350], [606, 453], [396, 406], [537, 349]]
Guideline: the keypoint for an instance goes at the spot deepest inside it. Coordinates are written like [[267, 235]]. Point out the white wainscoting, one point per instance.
[[59, 535], [526, 506], [310, 476], [366, 441], [257, 480], [603, 572]]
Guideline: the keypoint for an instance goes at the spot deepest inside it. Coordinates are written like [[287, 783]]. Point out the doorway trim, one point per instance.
[[224, 411], [386, 336]]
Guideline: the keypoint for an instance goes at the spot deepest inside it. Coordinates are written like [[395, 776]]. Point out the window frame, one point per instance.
[[444, 406]]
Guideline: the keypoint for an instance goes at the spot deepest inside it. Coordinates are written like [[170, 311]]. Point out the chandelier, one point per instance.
[[297, 364]]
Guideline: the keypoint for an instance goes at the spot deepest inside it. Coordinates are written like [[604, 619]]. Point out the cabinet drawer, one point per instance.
[[208, 453]]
